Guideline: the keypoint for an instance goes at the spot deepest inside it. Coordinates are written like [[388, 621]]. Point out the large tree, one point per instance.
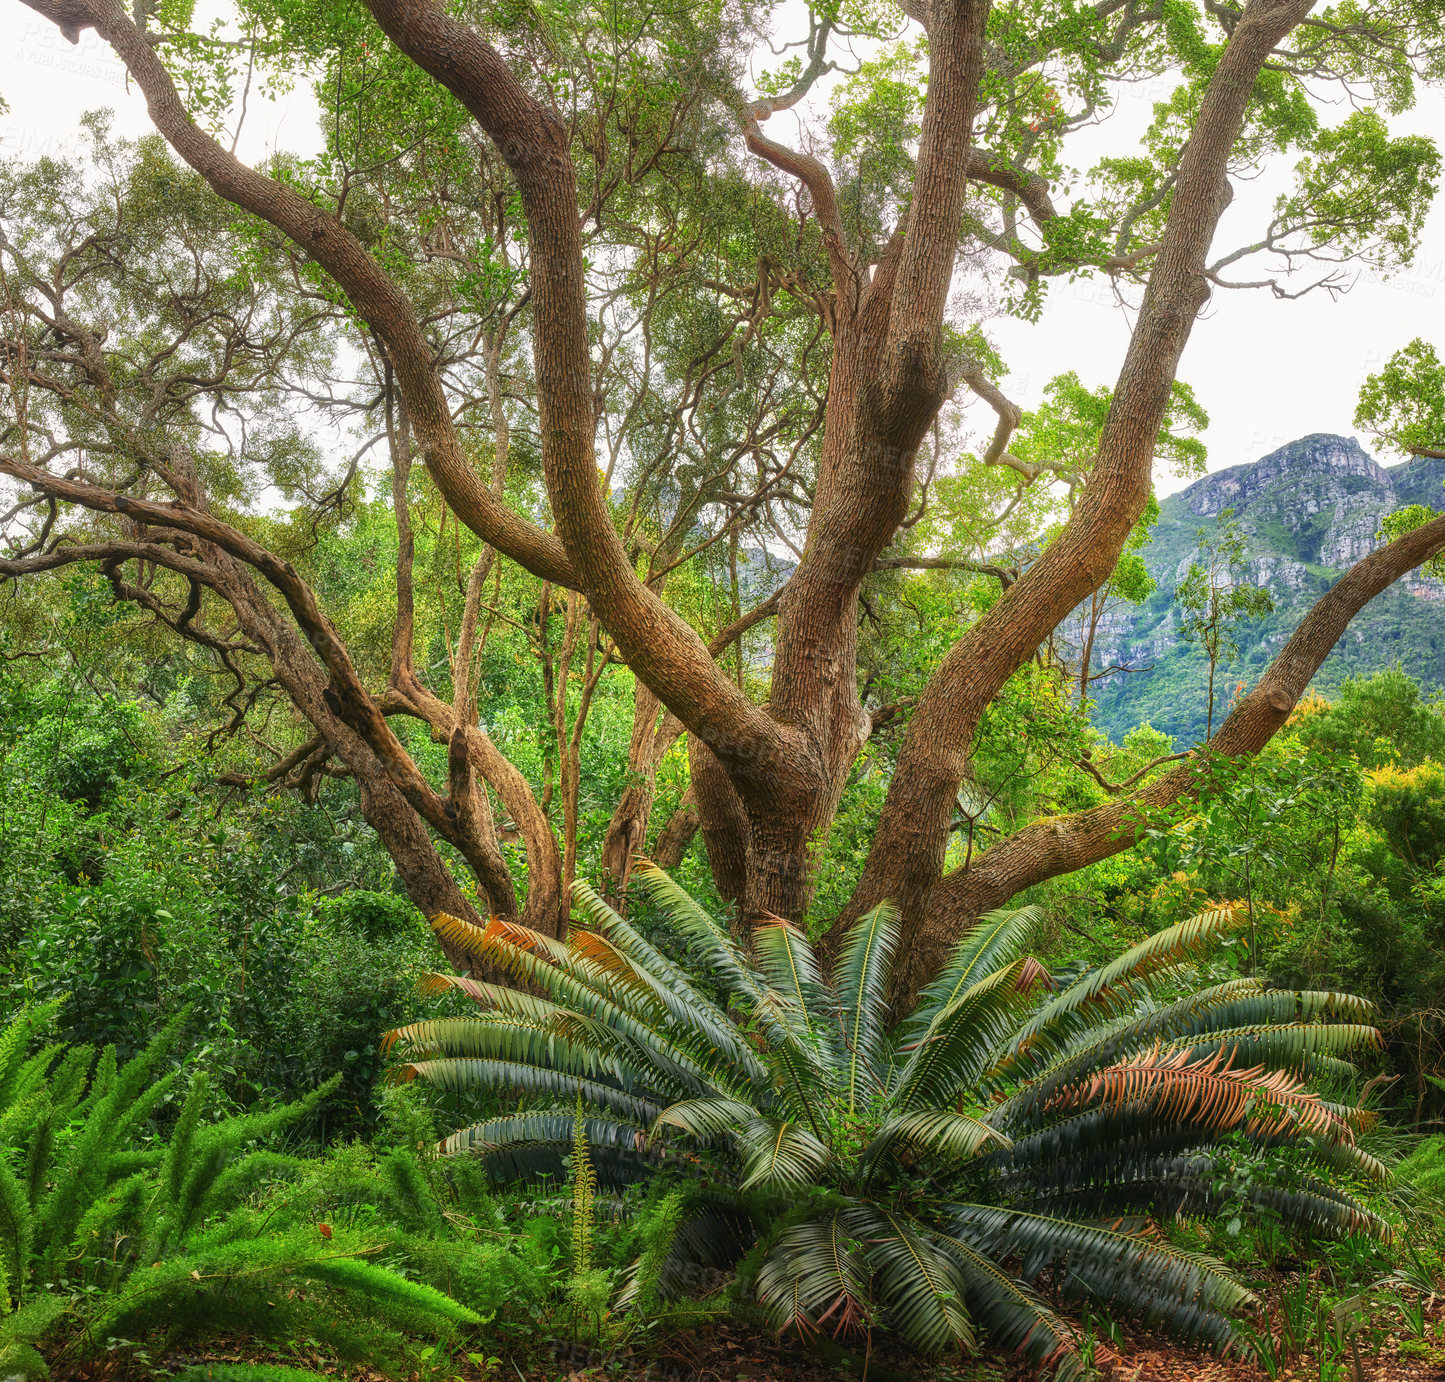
[[577, 221]]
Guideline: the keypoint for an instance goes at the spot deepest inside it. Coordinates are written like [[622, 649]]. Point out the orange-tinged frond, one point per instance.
[[459, 933], [524, 938], [611, 961], [1211, 1092], [429, 985]]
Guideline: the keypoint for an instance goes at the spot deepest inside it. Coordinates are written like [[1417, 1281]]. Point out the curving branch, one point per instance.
[[811, 172], [659, 646], [1047, 848], [907, 853], [345, 696], [373, 294], [1031, 189], [1114, 788], [1002, 574]]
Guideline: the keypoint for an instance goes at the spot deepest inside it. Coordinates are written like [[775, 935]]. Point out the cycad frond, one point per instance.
[[581, 988], [803, 1064], [708, 1120], [1306, 1048], [714, 946], [935, 1132], [861, 981], [465, 1076], [1016, 1317], [1211, 1092], [781, 1154], [815, 1278], [919, 1285], [952, 1051], [1148, 1279], [1188, 940], [994, 942], [1165, 1185], [1043, 1071], [491, 997], [1074, 1118], [695, 1026], [694, 1005], [787, 962], [534, 1145]]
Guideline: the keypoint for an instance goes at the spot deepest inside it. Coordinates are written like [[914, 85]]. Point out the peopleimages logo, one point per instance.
[[42, 45]]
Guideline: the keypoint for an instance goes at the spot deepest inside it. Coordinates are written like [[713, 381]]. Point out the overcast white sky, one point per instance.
[[1266, 371]]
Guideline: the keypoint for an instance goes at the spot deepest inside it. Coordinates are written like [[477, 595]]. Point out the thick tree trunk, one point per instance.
[[724, 827], [767, 780]]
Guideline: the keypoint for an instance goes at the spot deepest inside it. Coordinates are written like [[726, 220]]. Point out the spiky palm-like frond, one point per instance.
[[922, 1175]]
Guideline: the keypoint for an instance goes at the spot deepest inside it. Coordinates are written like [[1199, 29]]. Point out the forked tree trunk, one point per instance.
[[906, 860], [768, 780]]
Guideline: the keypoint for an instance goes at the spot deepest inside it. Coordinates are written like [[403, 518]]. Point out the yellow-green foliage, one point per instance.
[[584, 1198], [1424, 1169]]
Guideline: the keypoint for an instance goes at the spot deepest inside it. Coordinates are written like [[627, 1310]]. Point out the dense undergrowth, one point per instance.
[[202, 1148]]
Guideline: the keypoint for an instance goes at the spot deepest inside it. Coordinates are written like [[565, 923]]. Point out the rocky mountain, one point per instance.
[[1305, 513]]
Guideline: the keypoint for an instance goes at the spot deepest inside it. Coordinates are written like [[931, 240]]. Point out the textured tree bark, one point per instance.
[[723, 823], [677, 834], [545, 907], [651, 740]]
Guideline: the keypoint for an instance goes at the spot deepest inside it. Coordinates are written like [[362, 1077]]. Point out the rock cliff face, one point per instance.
[[1306, 512]]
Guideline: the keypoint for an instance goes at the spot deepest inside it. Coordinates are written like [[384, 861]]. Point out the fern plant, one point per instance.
[[1010, 1131], [165, 1240]]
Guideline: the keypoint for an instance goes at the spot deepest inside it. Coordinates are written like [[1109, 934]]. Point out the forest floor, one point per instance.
[[736, 1353]]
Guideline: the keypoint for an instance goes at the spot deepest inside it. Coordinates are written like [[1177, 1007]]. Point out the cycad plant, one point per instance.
[[1014, 1138]]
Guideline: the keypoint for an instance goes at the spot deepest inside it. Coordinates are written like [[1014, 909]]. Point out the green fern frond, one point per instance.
[[584, 1193], [16, 1081], [21, 1330], [379, 1286], [17, 1230]]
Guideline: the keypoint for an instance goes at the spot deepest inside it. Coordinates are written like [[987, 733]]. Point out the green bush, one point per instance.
[[199, 1233], [922, 1179]]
